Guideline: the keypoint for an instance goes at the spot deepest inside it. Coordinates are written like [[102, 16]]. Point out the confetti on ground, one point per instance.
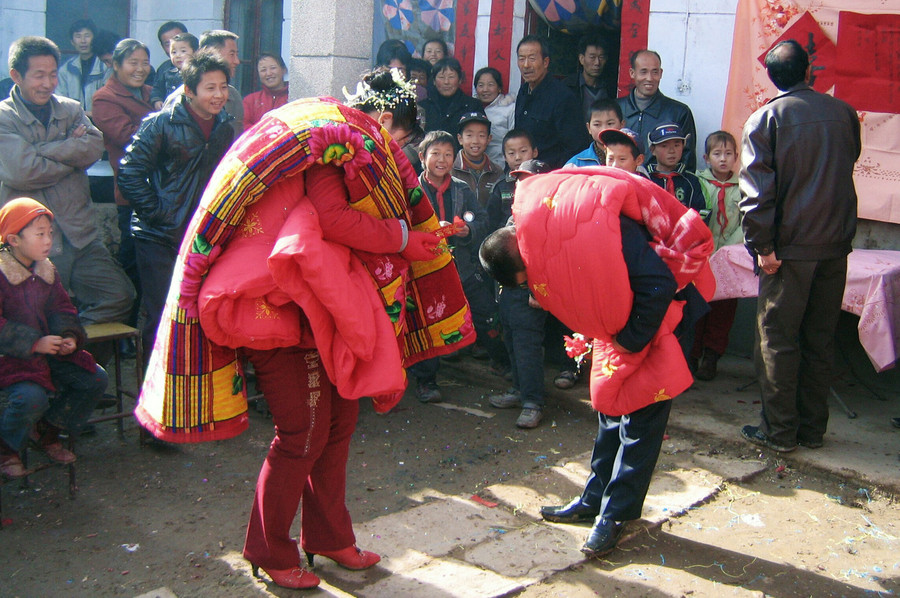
[[468, 410], [482, 501]]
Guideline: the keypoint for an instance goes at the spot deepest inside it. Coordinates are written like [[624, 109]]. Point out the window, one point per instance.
[[258, 23], [112, 15]]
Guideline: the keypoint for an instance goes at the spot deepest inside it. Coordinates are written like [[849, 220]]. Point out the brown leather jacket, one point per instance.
[[797, 158]]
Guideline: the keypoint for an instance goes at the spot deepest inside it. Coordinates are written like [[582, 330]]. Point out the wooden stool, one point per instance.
[[114, 332]]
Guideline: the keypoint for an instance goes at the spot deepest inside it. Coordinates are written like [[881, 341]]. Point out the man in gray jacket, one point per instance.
[[799, 217], [83, 74], [48, 142]]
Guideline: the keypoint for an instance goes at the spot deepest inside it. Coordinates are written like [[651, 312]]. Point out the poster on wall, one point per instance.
[[854, 55], [414, 22]]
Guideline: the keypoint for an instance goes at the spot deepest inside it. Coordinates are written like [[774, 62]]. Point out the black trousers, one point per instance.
[[155, 263], [625, 453], [796, 318]]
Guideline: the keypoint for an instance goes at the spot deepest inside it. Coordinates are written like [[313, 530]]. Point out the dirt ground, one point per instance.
[[144, 518]]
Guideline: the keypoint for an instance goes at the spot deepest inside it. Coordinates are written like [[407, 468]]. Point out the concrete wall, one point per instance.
[[148, 15], [694, 39], [330, 46], [18, 18]]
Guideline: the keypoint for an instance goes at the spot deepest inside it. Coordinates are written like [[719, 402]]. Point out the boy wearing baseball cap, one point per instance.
[[669, 172], [472, 164], [51, 383], [622, 150]]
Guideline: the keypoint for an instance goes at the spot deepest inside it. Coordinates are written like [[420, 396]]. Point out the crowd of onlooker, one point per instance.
[[164, 130], [471, 150]]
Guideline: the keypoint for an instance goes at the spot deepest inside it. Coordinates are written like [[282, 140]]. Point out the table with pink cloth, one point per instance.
[[872, 292]]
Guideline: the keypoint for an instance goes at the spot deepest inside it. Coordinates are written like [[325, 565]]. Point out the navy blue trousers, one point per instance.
[[623, 459]]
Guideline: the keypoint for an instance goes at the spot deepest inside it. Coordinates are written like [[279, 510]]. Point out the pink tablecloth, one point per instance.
[[872, 293]]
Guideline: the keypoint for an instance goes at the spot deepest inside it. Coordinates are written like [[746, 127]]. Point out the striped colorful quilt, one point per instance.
[[194, 390]]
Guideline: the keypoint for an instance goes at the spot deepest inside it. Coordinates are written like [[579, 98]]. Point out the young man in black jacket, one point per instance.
[[165, 170]]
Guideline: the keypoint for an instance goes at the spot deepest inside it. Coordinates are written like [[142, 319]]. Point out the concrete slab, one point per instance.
[[431, 530], [531, 553], [864, 448], [443, 578], [162, 592]]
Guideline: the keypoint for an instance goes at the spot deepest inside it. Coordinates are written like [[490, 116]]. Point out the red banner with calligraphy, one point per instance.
[[464, 52], [635, 24], [499, 43], [868, 66]]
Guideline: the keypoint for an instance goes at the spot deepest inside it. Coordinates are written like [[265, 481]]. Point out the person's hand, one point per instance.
[[48, 345], [462, 230], [532, 302], [619, 347], [78, 131], [420, 247], [157, 105], [67, 346], [768, 263]]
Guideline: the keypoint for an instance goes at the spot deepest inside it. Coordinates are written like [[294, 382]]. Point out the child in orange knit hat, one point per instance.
[[51, 383]]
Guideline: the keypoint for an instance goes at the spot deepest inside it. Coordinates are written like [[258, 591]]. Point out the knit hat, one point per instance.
[[18, 213]]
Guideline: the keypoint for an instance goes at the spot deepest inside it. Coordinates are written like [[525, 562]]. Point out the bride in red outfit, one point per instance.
[[312, 257]]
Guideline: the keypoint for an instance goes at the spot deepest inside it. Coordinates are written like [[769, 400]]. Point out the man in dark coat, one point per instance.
[[645, 108], [545, 107], [799, 217]]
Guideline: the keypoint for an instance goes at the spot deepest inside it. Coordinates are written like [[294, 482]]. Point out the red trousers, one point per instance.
[[712, 329], [307, 460]]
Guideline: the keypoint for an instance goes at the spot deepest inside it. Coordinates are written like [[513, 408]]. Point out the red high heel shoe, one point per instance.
[[296, 578], [349, 558]]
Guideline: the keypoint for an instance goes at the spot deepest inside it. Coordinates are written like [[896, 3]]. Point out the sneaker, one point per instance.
[[565, 380], [479, 353], [810, 443], [895, 421], [753, 434], [529, 418], [706, 367], [11, 466], [505, 400], [428, 392]]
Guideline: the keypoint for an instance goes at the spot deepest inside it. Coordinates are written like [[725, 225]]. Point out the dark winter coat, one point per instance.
[[166, 168], [443, 114], [34, 304], [118, 114]]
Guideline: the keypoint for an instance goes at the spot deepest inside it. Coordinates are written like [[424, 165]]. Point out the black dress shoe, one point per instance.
[[574, 512], [603, 537]]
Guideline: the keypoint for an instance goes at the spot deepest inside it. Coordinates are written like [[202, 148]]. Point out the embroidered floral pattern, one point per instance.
[[251, 226], [264, 311], [608, 368], [339, 145], [661, 396]]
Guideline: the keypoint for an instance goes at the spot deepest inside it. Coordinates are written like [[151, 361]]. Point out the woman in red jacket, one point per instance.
[[274, 93], [119, 107], [305, 290]]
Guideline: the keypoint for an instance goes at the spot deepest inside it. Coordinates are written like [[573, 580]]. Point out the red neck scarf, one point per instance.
[[669, 176], [721, 216], [439, 195]]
